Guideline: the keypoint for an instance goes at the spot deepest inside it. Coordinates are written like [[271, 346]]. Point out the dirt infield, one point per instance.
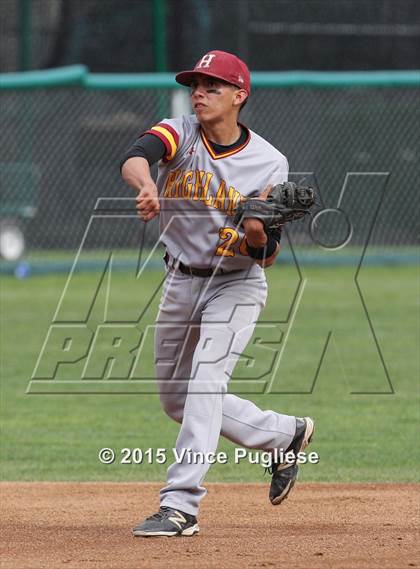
[[87, 525]]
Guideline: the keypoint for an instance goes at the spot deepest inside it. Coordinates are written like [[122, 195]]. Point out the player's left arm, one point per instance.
[[255, 233], [258, 242]]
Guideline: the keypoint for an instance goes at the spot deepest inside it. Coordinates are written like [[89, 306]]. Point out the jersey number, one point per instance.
[[229, 237]]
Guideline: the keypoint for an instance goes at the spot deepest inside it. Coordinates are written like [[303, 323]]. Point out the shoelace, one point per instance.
[[164, 510], [272, 468]]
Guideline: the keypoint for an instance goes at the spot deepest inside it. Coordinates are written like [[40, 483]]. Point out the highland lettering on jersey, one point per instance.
[[204, 186]]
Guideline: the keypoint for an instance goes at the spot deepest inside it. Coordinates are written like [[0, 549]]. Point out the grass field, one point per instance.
[[365, 402]]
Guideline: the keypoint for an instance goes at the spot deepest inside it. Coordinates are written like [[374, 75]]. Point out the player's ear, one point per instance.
[[240, 97]]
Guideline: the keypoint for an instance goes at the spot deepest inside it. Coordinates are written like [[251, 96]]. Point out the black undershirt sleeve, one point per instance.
[[147, 146]]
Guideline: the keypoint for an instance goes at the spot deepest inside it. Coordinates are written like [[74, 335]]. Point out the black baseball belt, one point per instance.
[[195, 271]]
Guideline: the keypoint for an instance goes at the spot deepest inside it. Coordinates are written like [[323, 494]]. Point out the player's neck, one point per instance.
[[224, 133]]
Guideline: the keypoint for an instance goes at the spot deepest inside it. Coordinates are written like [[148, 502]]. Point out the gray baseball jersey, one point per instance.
[[199, 191]]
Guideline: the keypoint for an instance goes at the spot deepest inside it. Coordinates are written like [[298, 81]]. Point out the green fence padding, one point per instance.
[[336, 79], [60, 77], [131, 81], [79, 75]]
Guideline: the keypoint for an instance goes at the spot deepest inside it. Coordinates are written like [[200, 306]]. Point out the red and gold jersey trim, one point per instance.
[[168, 136], [216, 156]]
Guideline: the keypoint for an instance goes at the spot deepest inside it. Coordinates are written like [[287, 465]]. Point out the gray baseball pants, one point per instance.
[[203, 326]]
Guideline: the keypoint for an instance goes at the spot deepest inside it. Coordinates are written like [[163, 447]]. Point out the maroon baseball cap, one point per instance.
[[221, 65]]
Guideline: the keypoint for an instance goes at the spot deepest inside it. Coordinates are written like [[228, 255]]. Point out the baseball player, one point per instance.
[[215, 284]]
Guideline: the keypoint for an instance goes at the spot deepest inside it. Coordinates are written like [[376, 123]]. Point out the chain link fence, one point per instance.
[[62, 146]]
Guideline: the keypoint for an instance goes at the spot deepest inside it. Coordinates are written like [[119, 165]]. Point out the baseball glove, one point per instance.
[[285, 203]]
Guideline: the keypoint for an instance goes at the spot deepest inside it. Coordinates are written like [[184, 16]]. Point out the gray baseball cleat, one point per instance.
[[167, 522], [284, 474]]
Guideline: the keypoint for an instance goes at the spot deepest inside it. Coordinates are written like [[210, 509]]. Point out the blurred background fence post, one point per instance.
[[159, 25], [25, 24]]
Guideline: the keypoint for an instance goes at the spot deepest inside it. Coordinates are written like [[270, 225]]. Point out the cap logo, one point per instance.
[[205, 60]]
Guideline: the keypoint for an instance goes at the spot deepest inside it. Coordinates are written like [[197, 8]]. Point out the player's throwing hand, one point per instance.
[[147, 200]]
